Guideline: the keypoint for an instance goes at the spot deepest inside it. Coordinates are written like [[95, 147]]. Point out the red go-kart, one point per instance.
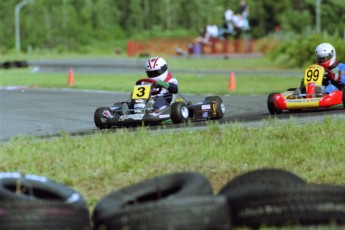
[[311, 99]]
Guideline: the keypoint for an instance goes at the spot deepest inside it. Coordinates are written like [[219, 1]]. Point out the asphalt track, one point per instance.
[[49, 112], [42, 112]]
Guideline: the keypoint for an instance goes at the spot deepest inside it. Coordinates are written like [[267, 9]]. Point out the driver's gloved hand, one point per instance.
[[332, 76], [162, 84]]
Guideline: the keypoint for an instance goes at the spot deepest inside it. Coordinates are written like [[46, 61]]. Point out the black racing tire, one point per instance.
[[206, 212], [8, 64], [179, 113], [50, 215], [270, 105], [343, 97], [245, 183], [19, 192], [311, 205], [100, 122], [21, 64], [218, 107], [166, 187], [15, 186], [265, 176]]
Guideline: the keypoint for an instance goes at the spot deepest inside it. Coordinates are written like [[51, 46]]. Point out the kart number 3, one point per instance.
[[141, 92]]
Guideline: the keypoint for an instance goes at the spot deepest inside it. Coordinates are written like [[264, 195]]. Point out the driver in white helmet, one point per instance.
[[334, 71], [157, 69]]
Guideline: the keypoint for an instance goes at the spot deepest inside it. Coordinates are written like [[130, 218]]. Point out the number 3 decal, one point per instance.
[[141, 92]]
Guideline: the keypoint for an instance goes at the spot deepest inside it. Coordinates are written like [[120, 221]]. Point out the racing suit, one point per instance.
[[335, 77], [164, 97]]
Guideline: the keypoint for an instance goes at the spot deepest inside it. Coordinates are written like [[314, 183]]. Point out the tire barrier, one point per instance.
[[14, 64], [39, 203], [279, 198], [174, 201], [190, 212], [52, 215], [183, 200]]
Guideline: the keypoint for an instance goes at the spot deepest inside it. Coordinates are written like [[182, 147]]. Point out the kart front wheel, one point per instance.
[[270, 105], [218, 107], [99, 119], [179, 113]]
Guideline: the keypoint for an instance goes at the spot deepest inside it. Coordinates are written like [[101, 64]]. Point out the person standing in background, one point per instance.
[[244, 11]]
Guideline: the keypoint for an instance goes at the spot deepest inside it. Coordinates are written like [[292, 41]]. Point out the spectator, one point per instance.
[[244, 11], [238, 23], [204, 37], [227, 26]]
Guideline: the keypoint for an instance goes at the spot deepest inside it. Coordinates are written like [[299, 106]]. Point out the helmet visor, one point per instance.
[[324, 59], [156, 73]]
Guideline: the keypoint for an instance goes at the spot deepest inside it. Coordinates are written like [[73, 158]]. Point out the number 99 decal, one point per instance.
[[314, 73]]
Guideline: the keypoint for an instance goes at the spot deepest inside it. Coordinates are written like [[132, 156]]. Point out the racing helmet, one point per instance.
[[156, 68], [325, 55]]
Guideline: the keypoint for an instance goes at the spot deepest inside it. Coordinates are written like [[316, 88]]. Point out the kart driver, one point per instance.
[[157, 69], [334, 77]]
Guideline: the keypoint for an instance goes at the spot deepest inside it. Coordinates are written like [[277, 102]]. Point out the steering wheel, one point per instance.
[[155, 90]]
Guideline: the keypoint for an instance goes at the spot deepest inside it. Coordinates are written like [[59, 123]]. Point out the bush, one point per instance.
[[300, 52]]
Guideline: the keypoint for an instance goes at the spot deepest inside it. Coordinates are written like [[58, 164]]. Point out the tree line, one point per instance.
[[49, 24]]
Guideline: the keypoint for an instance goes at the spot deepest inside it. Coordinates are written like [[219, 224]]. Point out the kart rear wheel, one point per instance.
[[99, 120], [179, 113], [270, 105], [218, 107]]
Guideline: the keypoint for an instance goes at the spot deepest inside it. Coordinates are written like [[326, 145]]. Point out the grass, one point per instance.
[[98, 164], [188, 83]]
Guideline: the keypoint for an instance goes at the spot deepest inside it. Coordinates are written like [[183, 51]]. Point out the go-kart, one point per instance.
[[311, 99], [139, 109]]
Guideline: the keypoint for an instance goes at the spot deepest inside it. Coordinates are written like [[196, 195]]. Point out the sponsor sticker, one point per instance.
[[303, 100], [204, 107], [107, 114], [137, 116], [132, 116], [164, 116]]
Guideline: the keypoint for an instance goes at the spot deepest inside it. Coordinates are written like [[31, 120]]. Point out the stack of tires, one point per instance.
[[274, 197], [34, 202], [14, 64], [264, 197], [179, 201], [174, 201]]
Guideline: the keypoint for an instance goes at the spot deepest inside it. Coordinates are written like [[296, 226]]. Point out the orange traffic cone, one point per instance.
[[70, 80], [232, 82]]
